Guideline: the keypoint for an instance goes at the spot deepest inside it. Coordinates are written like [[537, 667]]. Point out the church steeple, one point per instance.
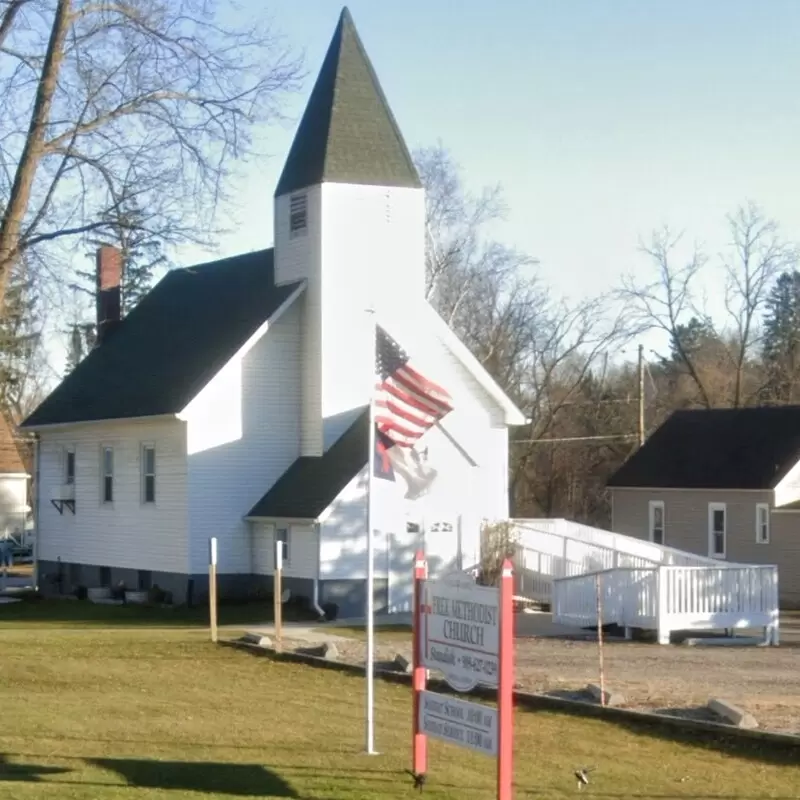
[[348, 133]]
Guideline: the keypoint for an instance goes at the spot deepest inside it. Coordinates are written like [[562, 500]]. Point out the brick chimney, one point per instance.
[[109, 291]]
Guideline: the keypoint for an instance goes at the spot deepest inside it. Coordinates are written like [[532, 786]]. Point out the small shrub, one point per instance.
[[118, 592], [498, 542], [81, 592], [155, 595]]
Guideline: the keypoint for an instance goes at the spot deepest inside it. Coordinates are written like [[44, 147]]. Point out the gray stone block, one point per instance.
[[611, 698], [256, 639], [402, 663], [732, 714], [329, 651]]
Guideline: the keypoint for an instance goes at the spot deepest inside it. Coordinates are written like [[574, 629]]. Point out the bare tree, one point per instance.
[[568, 347], [669, 302], [539, 349], [759, 255], [718, 357], [104, 99]]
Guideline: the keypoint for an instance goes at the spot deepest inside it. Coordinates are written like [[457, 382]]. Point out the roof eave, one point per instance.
[[512, 414], [47, 426], [271, 517]]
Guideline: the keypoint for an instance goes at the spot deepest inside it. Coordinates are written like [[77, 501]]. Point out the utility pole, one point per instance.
[[641, 395]]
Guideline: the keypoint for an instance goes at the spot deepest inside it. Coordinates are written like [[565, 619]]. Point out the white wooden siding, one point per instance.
[[243, 433], [303, 549], [373, 255], [297, 258], [460, 490], [359, 240], [127, 532], [342, 545]]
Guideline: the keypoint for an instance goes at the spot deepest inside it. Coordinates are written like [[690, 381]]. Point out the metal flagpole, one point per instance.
[[370, 610]]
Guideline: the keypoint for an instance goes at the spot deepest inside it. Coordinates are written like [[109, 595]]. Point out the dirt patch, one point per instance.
[[674, 679]]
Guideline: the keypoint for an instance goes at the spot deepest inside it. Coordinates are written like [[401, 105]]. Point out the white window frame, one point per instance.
[[712, 507], [762, 524], [287, 550], [104, 475], [145, 475], [298, 215], [69, 450], [651, 514]]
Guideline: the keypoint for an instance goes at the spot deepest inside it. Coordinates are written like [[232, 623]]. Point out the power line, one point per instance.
[[617, 436]]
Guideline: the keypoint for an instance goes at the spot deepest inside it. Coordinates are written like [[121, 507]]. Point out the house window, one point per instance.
[[148, 473], [762, 523], [69, 465], [298, 215], [144, 580], [108, 475], [282, 536], [717, 529], [656, 523]]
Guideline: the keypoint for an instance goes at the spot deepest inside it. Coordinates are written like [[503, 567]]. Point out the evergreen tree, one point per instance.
[[697, 336], [20, 341], [142, 254], [781, 348], [81, 341]]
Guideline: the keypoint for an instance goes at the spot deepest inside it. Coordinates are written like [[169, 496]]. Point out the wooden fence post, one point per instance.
[[598, 589], [277, 591], [212, 586]]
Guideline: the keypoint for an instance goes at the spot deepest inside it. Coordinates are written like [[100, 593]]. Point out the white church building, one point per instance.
[[232, 402]]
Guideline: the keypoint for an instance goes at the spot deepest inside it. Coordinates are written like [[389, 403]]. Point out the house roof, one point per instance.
[[312, 483], [10, 457], [348, 133], [175, 340], [744, 448]]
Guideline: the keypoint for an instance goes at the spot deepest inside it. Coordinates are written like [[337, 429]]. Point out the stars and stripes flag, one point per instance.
[[406, 405]]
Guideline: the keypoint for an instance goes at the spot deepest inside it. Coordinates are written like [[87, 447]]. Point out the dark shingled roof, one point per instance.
[[175, 340], [348, 133], [745, 448], [312, 483]]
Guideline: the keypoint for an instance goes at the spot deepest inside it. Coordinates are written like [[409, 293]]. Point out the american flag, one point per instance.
[[407, 404]]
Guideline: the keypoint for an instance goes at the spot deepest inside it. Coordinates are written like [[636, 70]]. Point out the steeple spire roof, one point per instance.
[[348, 133]]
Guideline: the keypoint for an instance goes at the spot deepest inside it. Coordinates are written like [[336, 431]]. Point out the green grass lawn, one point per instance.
[[82, 614], [147, 712]]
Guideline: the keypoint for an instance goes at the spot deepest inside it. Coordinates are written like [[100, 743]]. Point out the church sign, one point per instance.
[[465, 632], [461, 632]]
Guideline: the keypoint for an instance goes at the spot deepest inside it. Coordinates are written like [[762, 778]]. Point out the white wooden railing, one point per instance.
[[673, 598], [547, 549]]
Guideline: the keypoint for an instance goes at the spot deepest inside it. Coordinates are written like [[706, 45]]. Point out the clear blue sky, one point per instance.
[[602, 119]]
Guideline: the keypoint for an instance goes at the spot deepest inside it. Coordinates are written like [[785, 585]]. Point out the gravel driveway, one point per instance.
[[763, 680]]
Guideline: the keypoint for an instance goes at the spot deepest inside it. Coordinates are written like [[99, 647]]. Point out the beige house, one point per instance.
[[723, 483]]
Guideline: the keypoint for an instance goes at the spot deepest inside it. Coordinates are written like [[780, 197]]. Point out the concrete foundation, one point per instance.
[[349, 596]]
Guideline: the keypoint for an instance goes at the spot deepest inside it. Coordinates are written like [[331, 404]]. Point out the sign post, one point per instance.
[[466, 632], [212, 586], [505, 688], [277, 591], [419, 743]]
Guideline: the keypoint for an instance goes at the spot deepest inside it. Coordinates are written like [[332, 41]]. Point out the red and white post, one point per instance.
[[419, 743], [505, 685]]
